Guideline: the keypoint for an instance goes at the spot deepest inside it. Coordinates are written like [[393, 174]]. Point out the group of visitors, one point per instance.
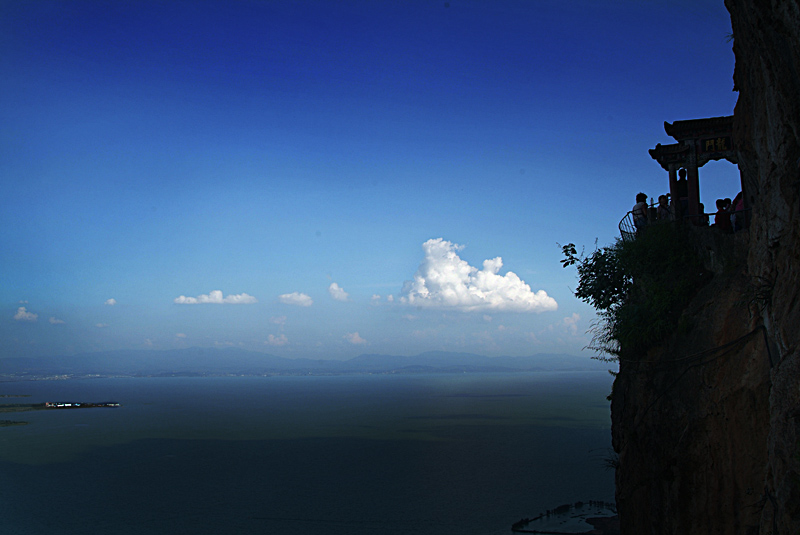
[[642, 212], [728, 218], [730, 214]]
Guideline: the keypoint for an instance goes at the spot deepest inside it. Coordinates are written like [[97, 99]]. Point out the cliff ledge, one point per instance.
[[707, 426]]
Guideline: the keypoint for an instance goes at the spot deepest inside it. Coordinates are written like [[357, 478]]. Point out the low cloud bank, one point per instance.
[[354, 338], [23, 315], [297, 299], [215, 297]]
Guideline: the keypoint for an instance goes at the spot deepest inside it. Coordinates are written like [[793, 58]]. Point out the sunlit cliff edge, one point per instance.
[[707, 425]]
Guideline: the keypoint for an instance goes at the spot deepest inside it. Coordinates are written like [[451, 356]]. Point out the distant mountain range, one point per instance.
[[211, 361]]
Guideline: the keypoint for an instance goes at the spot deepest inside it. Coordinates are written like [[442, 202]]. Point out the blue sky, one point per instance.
[[325, 179]]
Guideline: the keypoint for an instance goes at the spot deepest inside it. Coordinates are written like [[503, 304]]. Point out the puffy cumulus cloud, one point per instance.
[[296, 298], [23, 315], [390, 298], [55, 321], [215, 297], [337, 292], [280, 340], [571, 323], [444, 280], [111, 302], [354, 338]]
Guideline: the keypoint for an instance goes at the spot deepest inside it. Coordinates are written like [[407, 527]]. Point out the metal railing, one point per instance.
[[626, 227], [628, 230]]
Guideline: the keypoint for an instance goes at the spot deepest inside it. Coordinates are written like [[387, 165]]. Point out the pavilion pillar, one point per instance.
[[673, 192], [693, 183]]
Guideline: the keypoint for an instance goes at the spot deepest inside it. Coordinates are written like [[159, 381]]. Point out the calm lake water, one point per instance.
[[365, 454]]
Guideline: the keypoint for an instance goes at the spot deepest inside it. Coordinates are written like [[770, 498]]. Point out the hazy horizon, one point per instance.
[[266, 351], [192, 362]]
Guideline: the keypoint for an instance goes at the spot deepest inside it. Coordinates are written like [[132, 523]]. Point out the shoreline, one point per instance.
[[579, 518]]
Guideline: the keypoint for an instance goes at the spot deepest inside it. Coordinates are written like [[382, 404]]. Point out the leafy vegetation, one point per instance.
[[638, 287]]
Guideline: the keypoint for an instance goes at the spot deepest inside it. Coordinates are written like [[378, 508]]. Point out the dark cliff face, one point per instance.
[[707, 426], [690, 421], [767, 122]]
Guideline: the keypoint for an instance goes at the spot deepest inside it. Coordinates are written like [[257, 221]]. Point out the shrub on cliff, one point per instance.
[[639, 287]]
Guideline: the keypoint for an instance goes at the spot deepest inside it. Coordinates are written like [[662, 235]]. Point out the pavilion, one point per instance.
[[699, 141]]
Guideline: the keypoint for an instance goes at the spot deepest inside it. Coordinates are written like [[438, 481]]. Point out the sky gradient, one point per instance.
[[325, 179]]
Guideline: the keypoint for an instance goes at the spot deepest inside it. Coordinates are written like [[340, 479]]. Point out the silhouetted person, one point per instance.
[[664, 213], [703, 218], [722, 219], [639, 212]]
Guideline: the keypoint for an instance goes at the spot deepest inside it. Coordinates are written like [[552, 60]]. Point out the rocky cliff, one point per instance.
[[707, 426]]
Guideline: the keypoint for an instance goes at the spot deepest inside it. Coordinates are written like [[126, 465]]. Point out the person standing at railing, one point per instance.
[[702, 219], [722, 219], [664, 213], [639, 212]]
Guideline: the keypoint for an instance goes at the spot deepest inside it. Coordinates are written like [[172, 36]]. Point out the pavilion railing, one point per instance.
[[627, 228]]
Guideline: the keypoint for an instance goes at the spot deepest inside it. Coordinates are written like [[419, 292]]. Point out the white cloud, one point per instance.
[[444, 280], [571, 323], [337, 292], [278, 320], [375, 298], [390, 298], [55, 321], [101, 325], [180, 335], [280, 340], [111, 302], [215, 297], [296, 298], [354, 338], [23, 315]]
